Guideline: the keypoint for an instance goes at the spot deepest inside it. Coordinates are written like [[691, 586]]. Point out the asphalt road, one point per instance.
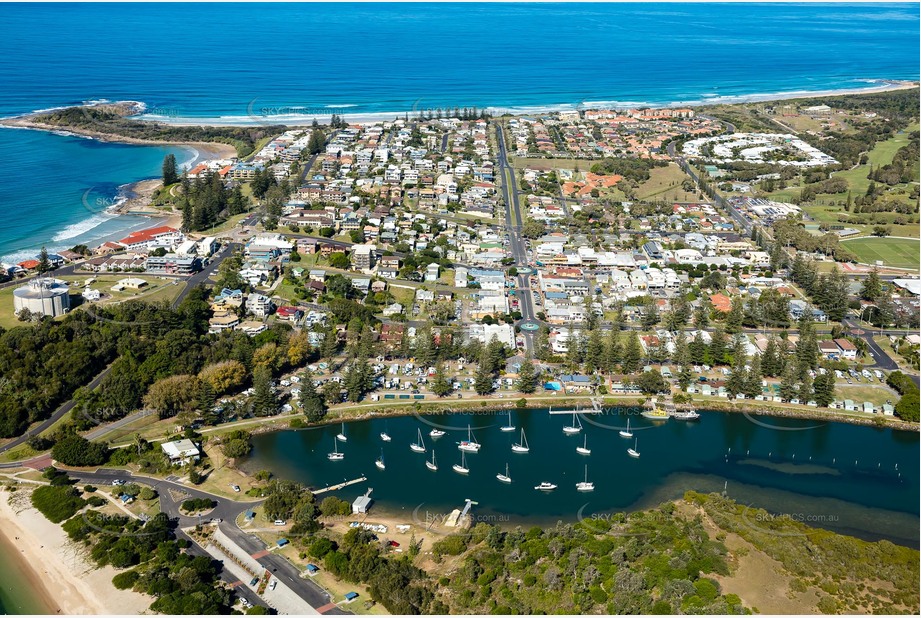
[[517, 244]]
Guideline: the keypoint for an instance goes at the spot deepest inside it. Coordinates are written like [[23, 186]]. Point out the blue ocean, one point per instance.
[[241, 63]]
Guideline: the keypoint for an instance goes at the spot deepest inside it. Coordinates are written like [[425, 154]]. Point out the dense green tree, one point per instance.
[[75, 450], [170, 175], [824, 389], [527, 377], [872, 287], [633, 354], [441, 386], [312, 402], [265, 400]]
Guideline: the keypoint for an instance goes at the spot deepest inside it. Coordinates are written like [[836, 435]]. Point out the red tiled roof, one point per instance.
[[146, 235], [721, 302]]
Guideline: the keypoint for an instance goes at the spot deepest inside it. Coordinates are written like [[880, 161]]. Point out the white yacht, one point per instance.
[[508, 427], [584, 450], [461, 468], [505, 478], [521, 447], [545, 486], [626, 433], [436, 433], [418, 446], [341, 435], [632, 451], [470, 444], [380, 461], [585, 485], [431, 465], [335, 455], [575, 427]]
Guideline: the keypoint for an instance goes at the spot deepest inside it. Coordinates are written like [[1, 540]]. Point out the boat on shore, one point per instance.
[[522, 446]]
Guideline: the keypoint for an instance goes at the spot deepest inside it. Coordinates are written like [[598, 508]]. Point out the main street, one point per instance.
[[517, 244]]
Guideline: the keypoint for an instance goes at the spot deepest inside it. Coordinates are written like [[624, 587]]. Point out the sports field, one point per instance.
[[898, 252]]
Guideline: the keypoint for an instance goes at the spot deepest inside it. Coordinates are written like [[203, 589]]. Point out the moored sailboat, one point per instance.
[[419, 445], [522, 446], [585, 485], [461, 468]]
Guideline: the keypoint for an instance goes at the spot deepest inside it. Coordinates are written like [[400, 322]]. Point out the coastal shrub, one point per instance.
[[126, 580], [57, 503], [56, 477], [74, 450], [453, 545], [96, 501], [198, 504], [320, 547]]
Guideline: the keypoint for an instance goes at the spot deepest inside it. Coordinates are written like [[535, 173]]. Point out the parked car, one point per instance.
[[279, 522], [254, 581]]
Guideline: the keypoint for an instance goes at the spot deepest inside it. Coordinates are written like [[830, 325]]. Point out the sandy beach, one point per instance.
[[61, 576]]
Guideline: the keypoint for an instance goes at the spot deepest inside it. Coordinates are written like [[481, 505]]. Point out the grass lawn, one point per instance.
[[7, 319], [877, 394], [227, 225], [898, 252], [665, 183]]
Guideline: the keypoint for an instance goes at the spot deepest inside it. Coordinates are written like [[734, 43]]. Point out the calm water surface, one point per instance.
[[853, 479]]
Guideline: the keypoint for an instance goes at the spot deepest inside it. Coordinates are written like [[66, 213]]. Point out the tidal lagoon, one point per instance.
[[856, 480]]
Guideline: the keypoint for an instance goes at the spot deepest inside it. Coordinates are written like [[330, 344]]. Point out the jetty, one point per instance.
[[338, 486]]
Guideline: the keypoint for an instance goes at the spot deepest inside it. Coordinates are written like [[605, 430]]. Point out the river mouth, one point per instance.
[[861, 481]]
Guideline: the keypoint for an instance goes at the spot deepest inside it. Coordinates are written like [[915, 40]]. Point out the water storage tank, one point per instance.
[[43, 296]]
